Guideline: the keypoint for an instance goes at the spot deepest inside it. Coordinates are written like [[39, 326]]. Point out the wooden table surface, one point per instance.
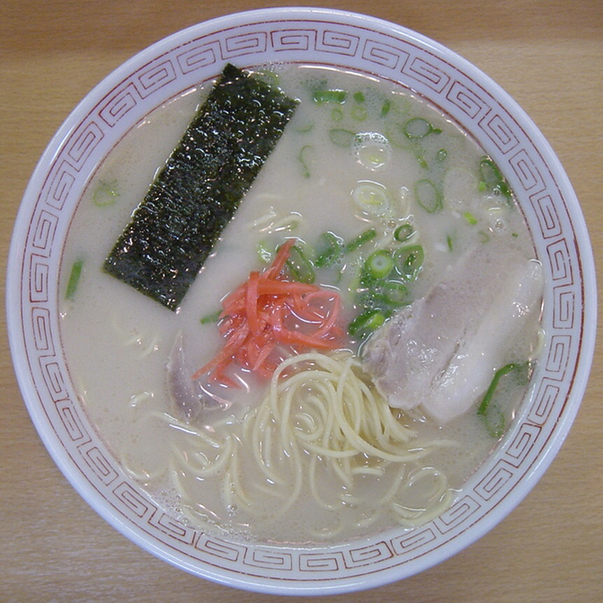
[[547, 54]]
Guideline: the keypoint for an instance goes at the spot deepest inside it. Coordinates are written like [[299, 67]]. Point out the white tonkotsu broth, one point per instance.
[[117, 342]]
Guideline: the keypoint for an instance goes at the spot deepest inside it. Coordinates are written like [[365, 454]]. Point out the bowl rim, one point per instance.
[[15, 269]]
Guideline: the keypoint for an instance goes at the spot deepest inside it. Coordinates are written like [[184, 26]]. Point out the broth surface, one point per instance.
[[117, 342]]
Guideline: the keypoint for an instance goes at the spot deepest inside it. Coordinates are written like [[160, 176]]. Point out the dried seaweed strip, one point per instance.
[[175, 228]]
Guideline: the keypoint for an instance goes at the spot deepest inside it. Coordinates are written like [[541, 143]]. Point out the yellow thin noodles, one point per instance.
[[320, 404], [321, 429], [144, 476]]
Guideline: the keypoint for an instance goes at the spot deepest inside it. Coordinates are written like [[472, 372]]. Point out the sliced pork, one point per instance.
[[441, 352], [188, 397]]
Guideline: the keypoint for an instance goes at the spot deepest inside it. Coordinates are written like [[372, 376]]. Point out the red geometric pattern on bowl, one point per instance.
[[367, 46]]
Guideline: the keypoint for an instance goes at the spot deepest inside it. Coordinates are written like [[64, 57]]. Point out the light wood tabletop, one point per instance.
[[548, 54]]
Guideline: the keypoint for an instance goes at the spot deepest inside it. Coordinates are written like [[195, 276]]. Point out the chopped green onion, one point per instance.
[[500, 373], [105, 193], [492, 178], [265, 253], [372, 198], [330, 96], [408, 261], [370, 297], [299, 266], [471, 219], [422, 162], [495, 421], [379, 264], [493, 416], [268, 76], [366, 323], [403, 233], [360, 240], [333, 252], [210, 318], [449, 242], [307, 158], [74, 278], [359, 97], [417, 127], [358, 113], [341, 137], [373, 151], [395, 293], [336, 114], [396, 137], [385, 108], [441, 154], [428, 196]]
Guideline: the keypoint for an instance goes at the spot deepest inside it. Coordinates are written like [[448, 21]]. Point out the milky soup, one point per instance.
[[355, 344]]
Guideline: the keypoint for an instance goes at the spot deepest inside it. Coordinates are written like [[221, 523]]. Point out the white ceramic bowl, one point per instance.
[[363, 44]]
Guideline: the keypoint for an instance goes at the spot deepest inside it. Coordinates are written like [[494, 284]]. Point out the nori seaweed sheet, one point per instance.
[[195, 195]]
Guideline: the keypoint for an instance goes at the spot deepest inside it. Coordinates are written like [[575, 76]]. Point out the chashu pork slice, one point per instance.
[[441, 352]]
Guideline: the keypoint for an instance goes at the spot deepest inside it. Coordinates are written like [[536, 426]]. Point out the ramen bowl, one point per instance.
[[345, 41]]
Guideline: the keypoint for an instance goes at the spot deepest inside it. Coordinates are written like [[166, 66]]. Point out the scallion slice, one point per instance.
[[470, 218], [395, 293], [106, 193], [408, 261], [359, 97], [491, 413], [428, 196], [307, 158], [360, 240], [330, 96], [341, 137], [359, 113], [299, 266], [366, 323], [210, 318], [417, 127], [493, 179], [379, 264], [74, 278], [332, 251], [372, 198], [403, 233]]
